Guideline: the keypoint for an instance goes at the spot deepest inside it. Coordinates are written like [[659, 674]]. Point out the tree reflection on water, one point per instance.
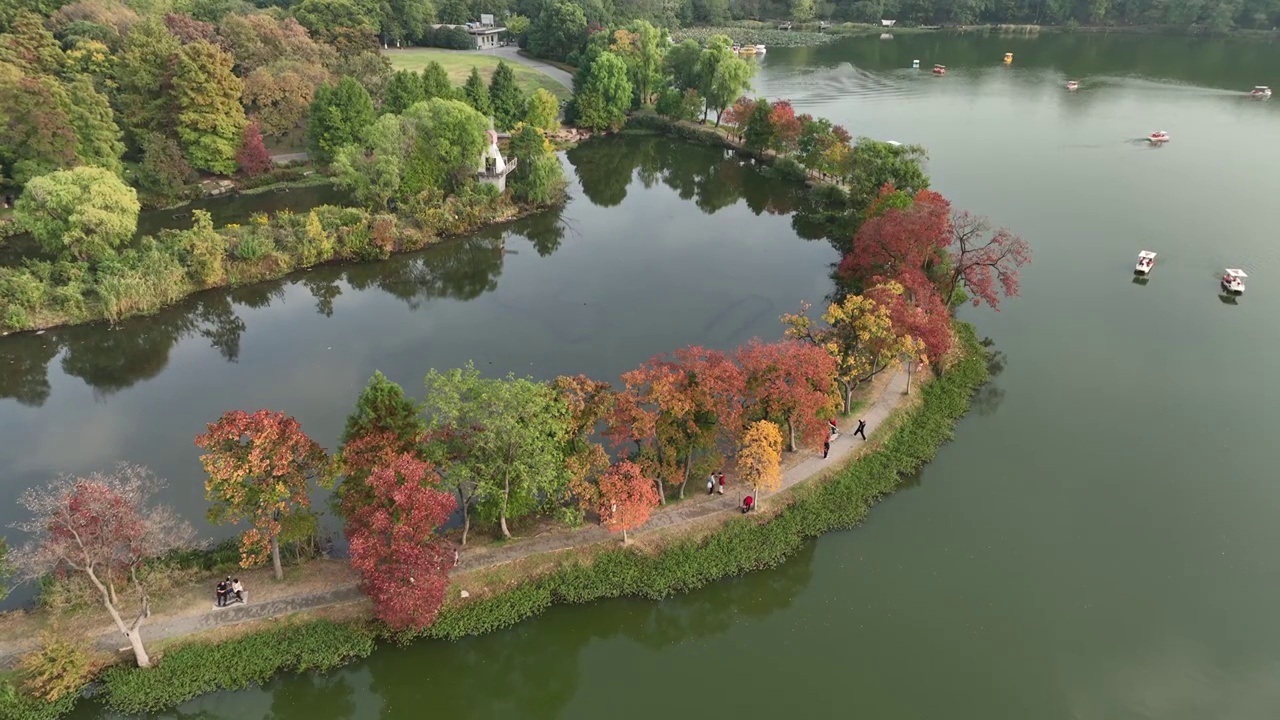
[[112, 357]]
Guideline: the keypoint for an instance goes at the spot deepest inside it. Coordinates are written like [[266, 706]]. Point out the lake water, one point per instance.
[[1099, 540]]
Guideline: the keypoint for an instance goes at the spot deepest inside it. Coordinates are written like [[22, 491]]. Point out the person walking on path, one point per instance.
[[711, 484], [720, 482], [826, 448], [862, 429]]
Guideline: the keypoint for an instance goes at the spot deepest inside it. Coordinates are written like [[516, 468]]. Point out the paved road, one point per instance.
[[289, 158], [511, 53]]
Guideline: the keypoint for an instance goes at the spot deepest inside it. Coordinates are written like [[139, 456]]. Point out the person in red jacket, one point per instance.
[[748, 503]]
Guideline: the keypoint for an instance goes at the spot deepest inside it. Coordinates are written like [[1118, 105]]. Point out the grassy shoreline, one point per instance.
[[839, 499], [272, 265]]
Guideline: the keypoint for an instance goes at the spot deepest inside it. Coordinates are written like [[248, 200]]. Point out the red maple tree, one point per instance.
[[900, 241], [917, 311], [105, 527], [252, 156], [260, 466], [791, 381], [627, 498], [403, 564], [983, 262], [786, 126], [737, 115]]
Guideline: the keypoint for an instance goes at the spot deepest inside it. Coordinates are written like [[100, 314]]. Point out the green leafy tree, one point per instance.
[[433, 146], [403, 89], [435, 82], [508, 440], [875, 164], [98, 138], [36, 136], [604, 98], [373, 171], [338, 115], [143, 77], [83, 213], [558, 30], [445, 141], [517, 25], [330, 20], [722, 75], [803, 10], [164, 172], [31, 47], [543, 111], [210, 117], [476, 93], [759, 132], [644, 49], [508, 100], [682, 65], [538, 178], [679, 105]]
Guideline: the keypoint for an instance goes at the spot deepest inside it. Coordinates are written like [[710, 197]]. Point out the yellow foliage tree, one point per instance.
[[860, 334], [760, 461]]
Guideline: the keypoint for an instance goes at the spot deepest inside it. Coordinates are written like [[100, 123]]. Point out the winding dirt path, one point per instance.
[[203, 617]]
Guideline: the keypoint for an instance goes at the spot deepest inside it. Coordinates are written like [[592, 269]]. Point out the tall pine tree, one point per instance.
[[210, 117], [435, 82], [508, 101], [477, 94]]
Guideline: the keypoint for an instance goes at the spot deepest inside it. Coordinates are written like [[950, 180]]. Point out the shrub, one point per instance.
[[140, 281], [785, 168], [58, 668], [196, 669], [252, 247]]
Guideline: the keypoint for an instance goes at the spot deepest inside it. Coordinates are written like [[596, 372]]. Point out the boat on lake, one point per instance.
[[1233, 281], [1158, 137], [1073, 85], [939, 69], [1146, 260], [760, 49], [1008, 58], [1261, 92]]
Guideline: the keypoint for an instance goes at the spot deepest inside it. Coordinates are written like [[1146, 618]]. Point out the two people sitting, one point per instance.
[[230, 591]]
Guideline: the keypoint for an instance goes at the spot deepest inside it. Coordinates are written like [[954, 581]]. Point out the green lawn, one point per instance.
[[458, 64]]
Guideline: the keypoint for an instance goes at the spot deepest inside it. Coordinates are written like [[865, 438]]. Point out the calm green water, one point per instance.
[[1097, 543]]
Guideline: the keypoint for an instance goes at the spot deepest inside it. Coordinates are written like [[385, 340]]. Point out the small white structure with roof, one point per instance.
[[1146, 260], [493, 167], [1233, 281]]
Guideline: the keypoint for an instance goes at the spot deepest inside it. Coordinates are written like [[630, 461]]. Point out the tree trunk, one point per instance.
[[466, 524], [848, 397], [135, 637], [688, 460], [662, 492], [139, 652], [502, 513], [791, 429], [275, 558], [624, 536]]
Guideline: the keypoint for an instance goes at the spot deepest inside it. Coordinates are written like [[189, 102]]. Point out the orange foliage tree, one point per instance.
[[792, 382], [627, 498], [760, 460], [260, 466], [675, 410]]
